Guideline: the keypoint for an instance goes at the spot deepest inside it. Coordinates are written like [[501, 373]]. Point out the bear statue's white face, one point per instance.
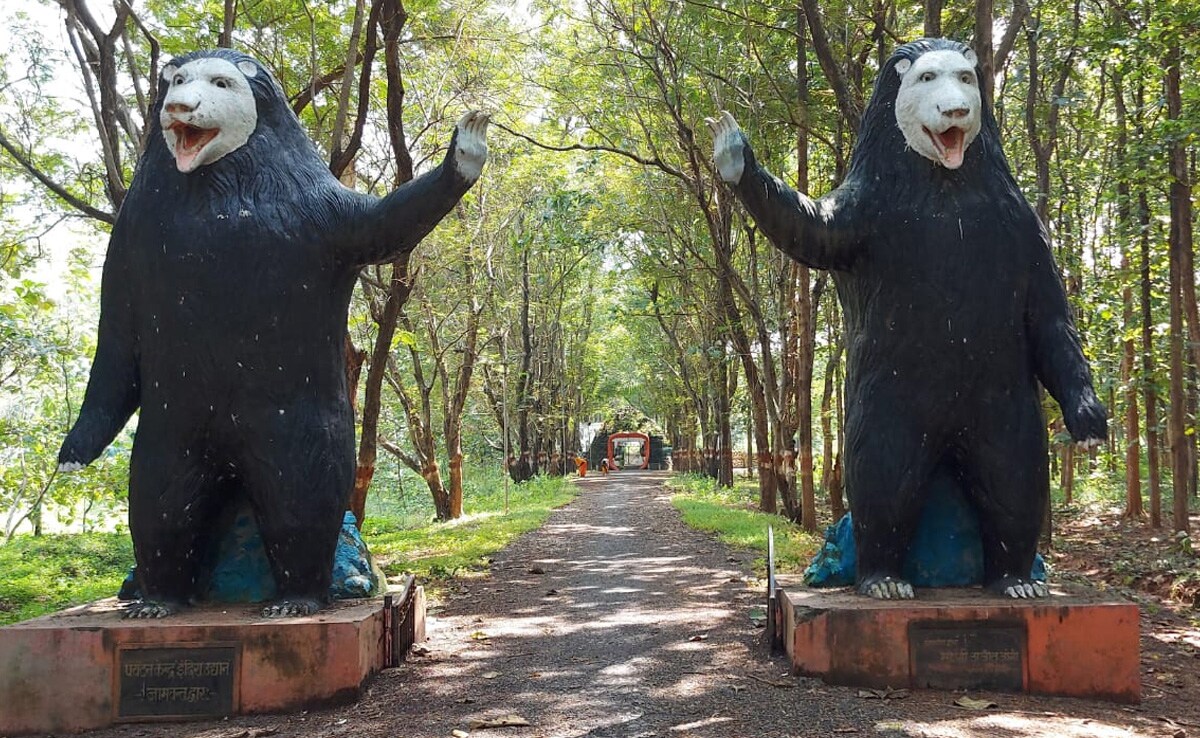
[[938, 105], [208, 110]]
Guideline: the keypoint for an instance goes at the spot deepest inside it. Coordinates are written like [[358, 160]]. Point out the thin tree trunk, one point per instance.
[[1149, 393], [805, 328], [983, 47]]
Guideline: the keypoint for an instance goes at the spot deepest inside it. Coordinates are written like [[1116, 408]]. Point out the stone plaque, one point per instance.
[[178, 681], [967, 655]]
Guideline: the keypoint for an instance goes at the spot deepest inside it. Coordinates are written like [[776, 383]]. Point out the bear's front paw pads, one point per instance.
[[291, 609], [470, 145], [149, 610], [887, 588], [728, 145]]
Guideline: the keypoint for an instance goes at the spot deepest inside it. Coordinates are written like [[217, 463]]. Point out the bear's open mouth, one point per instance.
[[949, 146], [189, 142]]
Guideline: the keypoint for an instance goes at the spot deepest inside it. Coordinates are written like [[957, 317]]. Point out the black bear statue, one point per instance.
[[953, 308], [223, 307]]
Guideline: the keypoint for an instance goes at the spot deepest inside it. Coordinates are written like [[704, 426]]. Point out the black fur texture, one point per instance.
[[223, 318], [954, 311]]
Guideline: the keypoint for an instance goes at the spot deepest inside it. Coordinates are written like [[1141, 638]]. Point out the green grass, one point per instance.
[[43, 574], [730, 514], [39, 575], [436, 552]]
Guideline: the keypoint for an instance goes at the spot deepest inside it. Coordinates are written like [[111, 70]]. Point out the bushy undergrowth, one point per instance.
[[42, 574], [729, 512], [47, 573]]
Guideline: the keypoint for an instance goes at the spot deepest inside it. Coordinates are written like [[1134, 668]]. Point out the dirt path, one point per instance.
[[615, 619]]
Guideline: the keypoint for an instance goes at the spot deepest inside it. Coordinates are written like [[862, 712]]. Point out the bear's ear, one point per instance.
[[970, 56], [248, 68], [903, 66], [168, 72]]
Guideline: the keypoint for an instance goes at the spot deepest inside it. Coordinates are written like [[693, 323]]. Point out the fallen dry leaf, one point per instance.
[[974, 704], [504, 721], [699, 637], [490, 674], [459, 733]]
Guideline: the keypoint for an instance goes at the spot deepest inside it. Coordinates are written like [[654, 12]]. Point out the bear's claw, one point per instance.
[[297, 608], [886, 588], [149, 609], [1019, 589]]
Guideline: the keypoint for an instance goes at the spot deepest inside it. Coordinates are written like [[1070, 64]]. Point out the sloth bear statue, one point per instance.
[[953, 310], [223, 310]]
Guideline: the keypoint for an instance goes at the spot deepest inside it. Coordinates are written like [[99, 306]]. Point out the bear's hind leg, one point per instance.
[[171, 504], [887, 466], [1009, 484], [299, 499]]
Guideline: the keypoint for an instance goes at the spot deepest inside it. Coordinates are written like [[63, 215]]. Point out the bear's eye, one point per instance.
[[221, 82], [178, 79], [967, 78], [928, 76]]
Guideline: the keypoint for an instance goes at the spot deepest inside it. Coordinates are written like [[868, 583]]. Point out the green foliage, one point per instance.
[[438, 551], [47, 573], [729, 512]]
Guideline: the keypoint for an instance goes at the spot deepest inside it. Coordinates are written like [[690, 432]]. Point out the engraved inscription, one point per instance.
[[176, 682], [967, 655]]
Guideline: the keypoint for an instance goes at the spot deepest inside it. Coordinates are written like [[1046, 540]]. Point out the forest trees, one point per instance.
[[598, 259]]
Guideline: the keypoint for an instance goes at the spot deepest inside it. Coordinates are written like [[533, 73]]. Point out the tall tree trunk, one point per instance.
[[390, 16], [1181, 259], [933, 18], [1133, 456], [805, 328], [228, 20]]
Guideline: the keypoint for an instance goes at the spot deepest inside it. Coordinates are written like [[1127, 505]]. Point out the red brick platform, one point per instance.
[[1077, 642], [87, 668]]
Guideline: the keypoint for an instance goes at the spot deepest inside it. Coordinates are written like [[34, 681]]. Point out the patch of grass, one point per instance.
[[729, 513], [39, 575], [436, 552], [47, 573]]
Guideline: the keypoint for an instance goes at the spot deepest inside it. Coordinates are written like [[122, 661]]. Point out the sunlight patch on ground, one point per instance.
[[1010, 725], [1190, 636], [707, 722], [578, 529]]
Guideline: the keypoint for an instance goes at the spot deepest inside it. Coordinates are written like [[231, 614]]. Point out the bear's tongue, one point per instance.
[[949, 145], [189, 142]]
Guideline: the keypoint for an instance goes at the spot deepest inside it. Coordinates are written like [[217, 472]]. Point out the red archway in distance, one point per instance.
[[645, 439]]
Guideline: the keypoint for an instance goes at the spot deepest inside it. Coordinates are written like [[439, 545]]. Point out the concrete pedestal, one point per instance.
[[86, 667], [1077, 642]]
